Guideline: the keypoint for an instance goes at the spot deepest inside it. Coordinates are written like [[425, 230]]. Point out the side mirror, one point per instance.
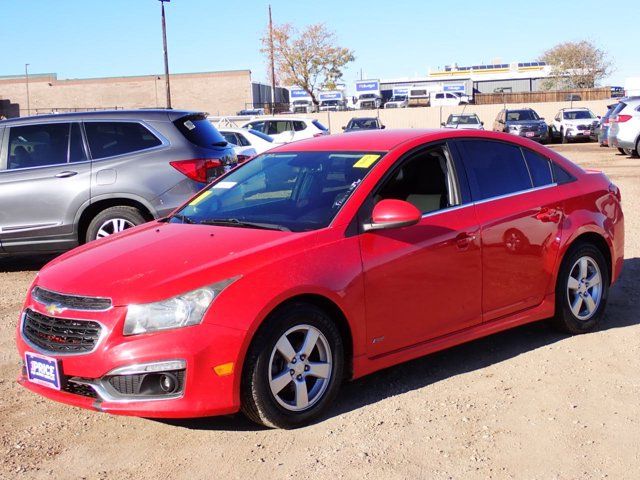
[[482, 123], [382, 127], [344, 128], [442, 124], [501, 121], [392, 213], [541, 118]]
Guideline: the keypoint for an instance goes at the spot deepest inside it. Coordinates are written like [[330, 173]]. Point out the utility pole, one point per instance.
[[26, 77], [166, 55], [272, 61]]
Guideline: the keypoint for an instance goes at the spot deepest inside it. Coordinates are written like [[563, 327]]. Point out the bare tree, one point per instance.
[[576, 65], [309, 59]]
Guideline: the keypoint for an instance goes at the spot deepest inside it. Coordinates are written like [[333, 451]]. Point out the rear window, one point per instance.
[[539, 168], [199, 131], [107, 139], [320, 126]]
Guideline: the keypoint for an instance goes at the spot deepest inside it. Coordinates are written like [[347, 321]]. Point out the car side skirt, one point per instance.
[[364, 365]]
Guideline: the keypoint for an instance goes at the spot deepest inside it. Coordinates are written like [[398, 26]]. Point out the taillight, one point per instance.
[[198, 168], [622, 118], [244, 158], [606, 121]]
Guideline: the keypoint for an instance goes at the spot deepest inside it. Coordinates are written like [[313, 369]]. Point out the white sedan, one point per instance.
[[260, 142]]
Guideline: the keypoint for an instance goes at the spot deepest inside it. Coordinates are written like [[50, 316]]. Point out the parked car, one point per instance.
[[524, 122], [601, 132], [251, 112], [261, 142], [573, 124], [470, 121], [443, 99], [67, 179], [363, 123], [379, 247], [288, 129], [624, 133]]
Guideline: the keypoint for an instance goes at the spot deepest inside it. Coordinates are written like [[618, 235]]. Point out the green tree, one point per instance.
[[576, 65], [309, 59]]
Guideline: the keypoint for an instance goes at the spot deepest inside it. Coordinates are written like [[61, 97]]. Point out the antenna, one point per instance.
[[463, 110]]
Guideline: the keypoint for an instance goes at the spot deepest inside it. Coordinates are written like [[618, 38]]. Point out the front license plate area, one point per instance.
[[530, 134], [42, 370]]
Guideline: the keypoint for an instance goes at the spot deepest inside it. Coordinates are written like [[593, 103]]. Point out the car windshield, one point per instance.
[[463, 120], [281, 191], [520, 115], [398, 98], [330, 103], [367, 95], [362, 124], [578, 115], [263, 136], [301, 102]]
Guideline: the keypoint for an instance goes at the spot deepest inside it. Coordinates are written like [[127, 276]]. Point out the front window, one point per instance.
[[281, 191], [463, 120], [521, 115], [578, 115], [363, 124]]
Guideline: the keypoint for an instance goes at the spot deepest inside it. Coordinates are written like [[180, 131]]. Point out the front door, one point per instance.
[[423, 281], [44, 180]]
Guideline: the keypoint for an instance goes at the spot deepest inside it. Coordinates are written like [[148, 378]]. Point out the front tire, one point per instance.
[[113, 220], [581, 290], [293, 368]]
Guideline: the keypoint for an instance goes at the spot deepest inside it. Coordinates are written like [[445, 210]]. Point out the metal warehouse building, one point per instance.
[[507, 77]]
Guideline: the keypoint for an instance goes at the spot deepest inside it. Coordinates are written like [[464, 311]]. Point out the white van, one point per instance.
[[443, 99]]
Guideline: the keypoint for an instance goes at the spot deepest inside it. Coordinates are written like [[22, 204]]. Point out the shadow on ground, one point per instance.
[[623, 310], [26, 263]]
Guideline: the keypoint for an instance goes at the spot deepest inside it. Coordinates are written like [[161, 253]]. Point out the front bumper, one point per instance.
[[536, 135], [202, 347]]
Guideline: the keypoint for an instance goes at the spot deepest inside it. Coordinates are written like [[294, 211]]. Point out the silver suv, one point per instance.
[[72, 178]]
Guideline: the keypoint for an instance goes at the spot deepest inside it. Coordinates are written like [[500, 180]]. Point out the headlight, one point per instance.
[[181, 311], [514, 127]]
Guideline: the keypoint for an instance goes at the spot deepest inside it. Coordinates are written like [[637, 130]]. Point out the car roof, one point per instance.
[[302, 119], [572, 109], [161, 114], [363, 118]]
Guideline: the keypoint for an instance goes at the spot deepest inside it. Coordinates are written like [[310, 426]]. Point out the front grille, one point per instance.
[[583, 127], [58, 335], [79, 389], [71, 302]]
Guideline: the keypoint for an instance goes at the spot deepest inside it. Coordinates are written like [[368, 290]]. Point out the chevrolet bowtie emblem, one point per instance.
[[54, 309]]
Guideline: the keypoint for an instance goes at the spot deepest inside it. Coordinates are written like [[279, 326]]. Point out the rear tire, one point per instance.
[[281, 383], [113, 220], [582, 289], [621, 150]]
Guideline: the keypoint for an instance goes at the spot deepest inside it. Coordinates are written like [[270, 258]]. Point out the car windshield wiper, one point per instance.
[[234, 222], [184, 218]]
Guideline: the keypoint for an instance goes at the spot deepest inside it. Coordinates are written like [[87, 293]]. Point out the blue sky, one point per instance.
[[93, 38]]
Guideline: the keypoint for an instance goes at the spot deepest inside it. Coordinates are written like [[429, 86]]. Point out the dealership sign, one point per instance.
[[331, 96], [454, 88], [401, 91], [298, 93], [368, 86]]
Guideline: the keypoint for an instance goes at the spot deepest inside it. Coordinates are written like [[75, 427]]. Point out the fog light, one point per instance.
[[168, 383]]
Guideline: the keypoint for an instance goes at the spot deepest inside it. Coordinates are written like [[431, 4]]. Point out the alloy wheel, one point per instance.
[[584, 288], [300, 368], [113, 225]]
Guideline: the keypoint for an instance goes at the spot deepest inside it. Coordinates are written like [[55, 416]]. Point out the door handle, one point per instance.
[[66, 174], [464, 239]]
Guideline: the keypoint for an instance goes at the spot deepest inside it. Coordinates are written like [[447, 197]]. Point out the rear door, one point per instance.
[[44, 180], [519, 217]]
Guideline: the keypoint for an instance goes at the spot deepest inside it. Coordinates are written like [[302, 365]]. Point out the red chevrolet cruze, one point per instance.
[[318, 261]]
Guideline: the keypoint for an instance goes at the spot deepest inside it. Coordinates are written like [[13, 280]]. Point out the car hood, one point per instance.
[[521, 123], [161, 260], [584, 121]]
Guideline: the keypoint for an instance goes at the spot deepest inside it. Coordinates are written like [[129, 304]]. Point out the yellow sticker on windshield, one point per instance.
[[199, 198], [366, 161]]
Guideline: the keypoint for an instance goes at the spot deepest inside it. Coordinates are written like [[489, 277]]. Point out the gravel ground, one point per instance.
[[528, 403]]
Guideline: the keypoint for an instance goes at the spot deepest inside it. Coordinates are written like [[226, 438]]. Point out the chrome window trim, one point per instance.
[[103, 335], [72, 295]]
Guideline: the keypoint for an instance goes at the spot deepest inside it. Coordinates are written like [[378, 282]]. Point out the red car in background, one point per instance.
[[322, 260]]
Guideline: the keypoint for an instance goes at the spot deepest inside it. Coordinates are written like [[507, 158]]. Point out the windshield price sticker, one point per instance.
[[225, 185], [189, 124], [366, 161], [200, 198]]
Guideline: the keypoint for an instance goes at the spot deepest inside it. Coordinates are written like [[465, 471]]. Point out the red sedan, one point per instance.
[[318, 261]]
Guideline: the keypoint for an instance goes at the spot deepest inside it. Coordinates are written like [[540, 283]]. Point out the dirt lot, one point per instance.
[[528, 403]]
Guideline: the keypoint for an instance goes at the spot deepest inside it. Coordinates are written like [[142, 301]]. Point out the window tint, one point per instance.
[[560, 175], [439, 95], [494, 168], [275, 127], [38, 145], [426, 181], [243, 140], [76, 147], [258, 126], [299, 126], [539, 168], [107, 139], [230, 137], [199, 131]]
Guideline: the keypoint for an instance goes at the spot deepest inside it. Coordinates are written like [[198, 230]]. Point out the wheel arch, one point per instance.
[[95, 207], [596, 239]]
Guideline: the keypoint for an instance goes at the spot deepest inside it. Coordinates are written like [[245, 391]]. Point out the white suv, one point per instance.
[[572, 124], [624, 133], [288, 129]]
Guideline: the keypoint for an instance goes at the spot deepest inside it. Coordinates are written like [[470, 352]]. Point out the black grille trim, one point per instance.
[[70, 302], [60, 335], [79, 389], [130, 384]]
